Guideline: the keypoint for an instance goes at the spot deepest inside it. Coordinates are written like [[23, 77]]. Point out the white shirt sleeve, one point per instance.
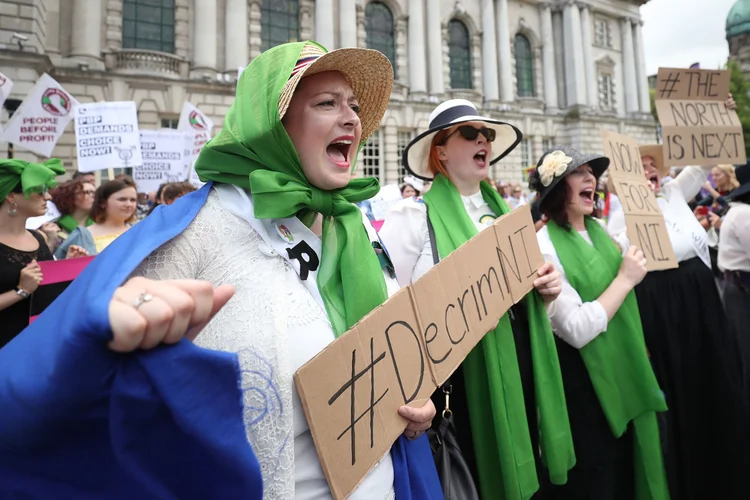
[[574, 321], [404, 235], [690, 181]]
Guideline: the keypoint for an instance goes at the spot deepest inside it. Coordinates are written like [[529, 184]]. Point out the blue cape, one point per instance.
[[78, 421]]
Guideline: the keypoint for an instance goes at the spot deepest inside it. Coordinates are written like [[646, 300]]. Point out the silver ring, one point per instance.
[[142, 299]]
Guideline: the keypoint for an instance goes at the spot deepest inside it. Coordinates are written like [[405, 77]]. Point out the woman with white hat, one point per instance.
[[508, 391], [188, 420], [695, 357]]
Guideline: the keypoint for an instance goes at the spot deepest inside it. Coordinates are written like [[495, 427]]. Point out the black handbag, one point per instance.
[[453, 471]]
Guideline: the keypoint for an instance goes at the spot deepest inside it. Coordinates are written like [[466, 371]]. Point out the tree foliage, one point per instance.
[[740, 89]]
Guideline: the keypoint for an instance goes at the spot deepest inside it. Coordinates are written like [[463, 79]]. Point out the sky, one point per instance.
[[678, 33]]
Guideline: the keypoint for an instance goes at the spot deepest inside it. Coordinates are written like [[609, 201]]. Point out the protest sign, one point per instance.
[[646, 228], [389, 195], [192, 120], [6, 86], [107, 136], [41, 118], [52, 214], [405, 349], [697, 127], [163, 159], [57, 276]]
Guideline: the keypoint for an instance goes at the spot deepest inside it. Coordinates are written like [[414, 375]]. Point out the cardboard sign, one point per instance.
[[646, 228], [697, 127], [41, 118], [163, 154], [107, 136], [405, 349]]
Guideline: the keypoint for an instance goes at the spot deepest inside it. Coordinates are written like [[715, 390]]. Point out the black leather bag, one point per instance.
[[453, 471]]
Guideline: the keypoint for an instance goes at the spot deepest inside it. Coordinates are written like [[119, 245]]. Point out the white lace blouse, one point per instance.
[[275, 325]]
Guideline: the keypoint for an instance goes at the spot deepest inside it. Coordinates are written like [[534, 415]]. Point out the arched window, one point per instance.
[[279, 22], [524, 67], [379, 30], [459, 52], [148, 24]]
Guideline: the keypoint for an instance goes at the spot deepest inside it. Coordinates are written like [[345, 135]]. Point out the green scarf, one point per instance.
[[497, 412], [67, 223], [34, 177], [253, 151], [616, 360]]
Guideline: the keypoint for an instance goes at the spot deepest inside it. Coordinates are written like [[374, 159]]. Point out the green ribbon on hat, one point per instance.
[[254, 152], [34, 177]]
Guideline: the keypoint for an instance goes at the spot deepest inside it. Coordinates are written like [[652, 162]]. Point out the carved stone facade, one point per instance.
[[80, 43]]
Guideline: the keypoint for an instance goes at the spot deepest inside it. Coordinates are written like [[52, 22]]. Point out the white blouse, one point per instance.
[[687, 236], [574, 321], [734, 239]]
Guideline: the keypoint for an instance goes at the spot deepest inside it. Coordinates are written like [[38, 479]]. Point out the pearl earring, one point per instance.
[[13, 209]]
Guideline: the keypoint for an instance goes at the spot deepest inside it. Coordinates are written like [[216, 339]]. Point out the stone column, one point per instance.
[[575, 88], [236, 46], [417, 48], [324, 23], [507, 93], [347, 23], [489, 52], [629, 71], [85, 38], [255, 29], [204, 35], [548, 58], [588, 57], [640, 67], [435, 48]]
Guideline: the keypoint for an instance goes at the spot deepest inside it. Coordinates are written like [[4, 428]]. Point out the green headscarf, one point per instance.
[[253, 151], [499, 427], [34, 177], [616, 359]]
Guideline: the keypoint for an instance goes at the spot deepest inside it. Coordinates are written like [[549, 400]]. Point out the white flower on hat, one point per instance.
[[554, 165]]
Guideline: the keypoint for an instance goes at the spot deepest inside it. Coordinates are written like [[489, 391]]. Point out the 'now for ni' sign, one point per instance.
[[405, 349]]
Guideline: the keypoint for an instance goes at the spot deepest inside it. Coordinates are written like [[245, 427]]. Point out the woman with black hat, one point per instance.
[[508, 391], [610, 387], [734, 262]]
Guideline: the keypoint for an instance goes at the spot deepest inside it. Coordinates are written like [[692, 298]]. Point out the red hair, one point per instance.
[[433, 161]]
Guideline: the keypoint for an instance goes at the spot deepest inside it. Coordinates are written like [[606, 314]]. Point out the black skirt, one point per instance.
[[737, 307], [460, 407], [696, 361]]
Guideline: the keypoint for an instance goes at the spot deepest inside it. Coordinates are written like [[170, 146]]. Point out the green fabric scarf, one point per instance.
[[497, 413], [616, 360], [34, 177], [67, 223], [253, 151]]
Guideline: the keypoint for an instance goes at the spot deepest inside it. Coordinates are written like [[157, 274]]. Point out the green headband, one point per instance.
[[34, 177]]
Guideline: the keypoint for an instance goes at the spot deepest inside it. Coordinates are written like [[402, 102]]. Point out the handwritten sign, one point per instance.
[[697, 127], [405, 349], [107, 136], [646, 228]]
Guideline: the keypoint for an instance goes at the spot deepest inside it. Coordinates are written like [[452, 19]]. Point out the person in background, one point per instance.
[[74, 199], [142, 207], [175, 190], [411, 187], [734, 262], [88, 177], [516, 197], [113, 213], [158, 198], [610, 387], [23, 191]]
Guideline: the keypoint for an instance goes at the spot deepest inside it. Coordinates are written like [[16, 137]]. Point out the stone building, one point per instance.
[[738, 34], [561, 70]]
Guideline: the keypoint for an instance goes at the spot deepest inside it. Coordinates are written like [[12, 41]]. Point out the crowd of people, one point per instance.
[[165, 370]]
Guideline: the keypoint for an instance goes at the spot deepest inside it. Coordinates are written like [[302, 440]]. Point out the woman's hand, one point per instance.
[[714, 220], [549, 282], [31, 276], [144, 313], [633, 267], [74, 252], [420, 419], [730, 102]]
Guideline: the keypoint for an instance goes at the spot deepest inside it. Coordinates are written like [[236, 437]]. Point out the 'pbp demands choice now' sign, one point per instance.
[[107, 136]]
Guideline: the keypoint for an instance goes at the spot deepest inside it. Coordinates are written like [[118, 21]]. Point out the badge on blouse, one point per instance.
[[285, 233], [487, 219]]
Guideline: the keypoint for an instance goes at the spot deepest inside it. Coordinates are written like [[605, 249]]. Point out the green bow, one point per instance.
[[34, 177], [254, 152]]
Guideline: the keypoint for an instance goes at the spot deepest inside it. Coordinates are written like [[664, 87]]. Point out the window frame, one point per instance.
[[524, 69], [268, 23], [388, 45], [166, 45], [464, 62], [378, 168]]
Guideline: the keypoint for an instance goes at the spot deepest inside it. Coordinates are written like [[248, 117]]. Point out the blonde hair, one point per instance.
[[728, 170]]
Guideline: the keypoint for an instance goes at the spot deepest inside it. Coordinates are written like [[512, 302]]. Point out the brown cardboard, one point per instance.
[[698, 84], [649, 234], [412, 351], [703, 146], [646, 228]]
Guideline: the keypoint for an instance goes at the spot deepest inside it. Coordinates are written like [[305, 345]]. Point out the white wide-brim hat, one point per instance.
[[449, 114]]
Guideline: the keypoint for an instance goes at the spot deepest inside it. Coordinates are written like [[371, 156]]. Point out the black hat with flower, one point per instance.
[[556, 163]]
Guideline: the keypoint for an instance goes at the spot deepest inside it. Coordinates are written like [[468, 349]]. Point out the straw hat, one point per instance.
[[369, 73], [447, 115], [656, 151]]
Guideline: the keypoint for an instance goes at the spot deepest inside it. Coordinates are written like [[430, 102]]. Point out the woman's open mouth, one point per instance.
[[587, 196], [481, 158], [338, 151], [654, 181]]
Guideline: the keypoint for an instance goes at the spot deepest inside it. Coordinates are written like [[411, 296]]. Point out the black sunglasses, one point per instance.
[[470, 133]]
